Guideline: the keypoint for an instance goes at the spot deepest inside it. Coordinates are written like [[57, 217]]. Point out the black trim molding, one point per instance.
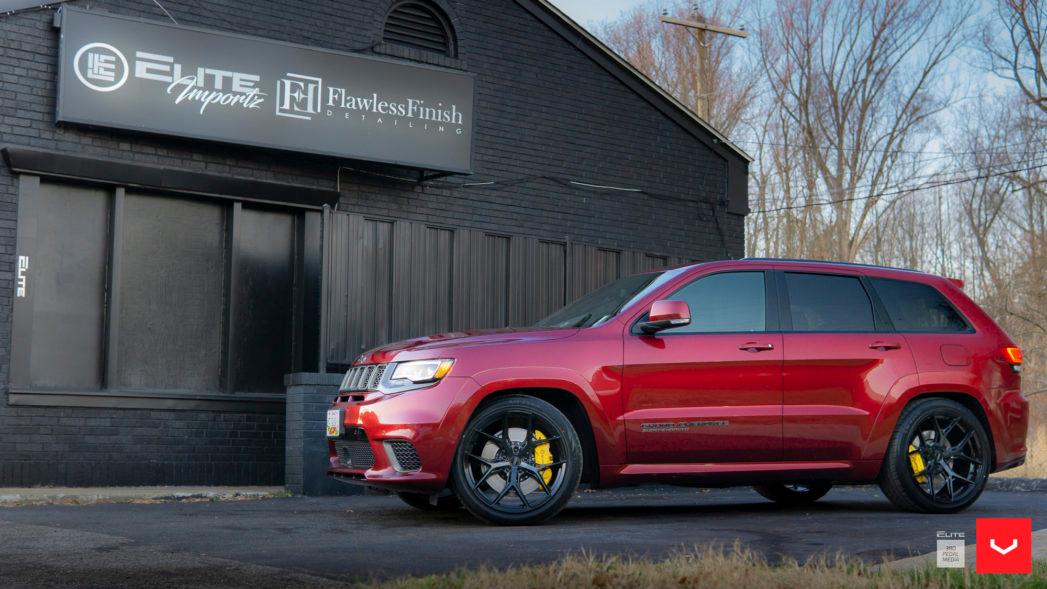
[[50, 163]]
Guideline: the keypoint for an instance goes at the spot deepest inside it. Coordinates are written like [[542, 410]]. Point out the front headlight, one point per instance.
[[420, 371]]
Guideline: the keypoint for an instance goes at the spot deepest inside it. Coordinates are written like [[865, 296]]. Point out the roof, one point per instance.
[[615, 63]]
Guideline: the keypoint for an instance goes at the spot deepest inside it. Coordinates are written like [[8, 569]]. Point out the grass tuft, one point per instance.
[[714, 568]]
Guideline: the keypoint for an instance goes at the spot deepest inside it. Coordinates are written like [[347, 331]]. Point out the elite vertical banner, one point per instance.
[[129, 73]]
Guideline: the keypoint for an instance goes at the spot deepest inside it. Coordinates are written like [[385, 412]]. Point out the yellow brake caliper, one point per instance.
[[917, 464], [543, 455]]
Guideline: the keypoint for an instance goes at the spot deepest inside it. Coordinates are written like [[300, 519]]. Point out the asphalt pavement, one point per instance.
[[300, 541]]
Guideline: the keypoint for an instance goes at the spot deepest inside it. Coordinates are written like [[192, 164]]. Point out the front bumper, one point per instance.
[[429, 419]]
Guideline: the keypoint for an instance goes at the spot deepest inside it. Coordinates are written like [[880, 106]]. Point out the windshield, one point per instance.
[[605, 302]]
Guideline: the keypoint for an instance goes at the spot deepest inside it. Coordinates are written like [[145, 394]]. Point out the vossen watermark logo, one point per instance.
[[101, 67], [950, 553]]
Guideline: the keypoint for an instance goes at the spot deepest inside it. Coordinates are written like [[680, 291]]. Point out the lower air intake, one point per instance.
[[405, 457]]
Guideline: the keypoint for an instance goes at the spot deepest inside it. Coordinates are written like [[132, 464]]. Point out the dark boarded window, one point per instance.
[[264, 293], [419, 25], [68, 267], [172, 294], [916, 307], [724, 303], [129, 291], [824, 302]]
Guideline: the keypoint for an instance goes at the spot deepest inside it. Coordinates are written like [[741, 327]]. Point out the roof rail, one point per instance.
[[856, 264]]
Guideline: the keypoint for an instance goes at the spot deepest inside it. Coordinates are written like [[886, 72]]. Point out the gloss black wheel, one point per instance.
[[425, 503], [793, 494], [938, 460], [519, 462]]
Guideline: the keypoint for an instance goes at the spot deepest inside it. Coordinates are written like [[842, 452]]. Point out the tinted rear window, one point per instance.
[[824, 302], [918, 307]]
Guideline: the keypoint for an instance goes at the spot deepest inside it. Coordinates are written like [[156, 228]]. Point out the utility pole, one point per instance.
[[698, 29]]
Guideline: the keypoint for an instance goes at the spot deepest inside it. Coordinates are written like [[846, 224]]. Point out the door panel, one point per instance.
[[709, 391], [700, 398], [835, 385], [840, 362]]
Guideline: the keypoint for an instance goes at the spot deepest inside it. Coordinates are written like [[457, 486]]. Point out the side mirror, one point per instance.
[[666, 314]]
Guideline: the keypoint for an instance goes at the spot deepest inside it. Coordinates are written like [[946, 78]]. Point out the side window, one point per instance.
[[824, 302], [916, 307], [728, 302]]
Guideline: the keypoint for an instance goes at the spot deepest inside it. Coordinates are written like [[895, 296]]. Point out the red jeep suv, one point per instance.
[[790, 376]]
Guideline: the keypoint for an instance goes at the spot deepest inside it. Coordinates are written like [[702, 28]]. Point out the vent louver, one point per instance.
[[420, 26]]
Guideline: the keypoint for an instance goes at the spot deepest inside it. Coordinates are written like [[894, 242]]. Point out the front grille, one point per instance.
[[363, 378], [405, 455], [353, 450]]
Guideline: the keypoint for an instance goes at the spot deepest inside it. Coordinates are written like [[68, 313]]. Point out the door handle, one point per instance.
[[755, 347], [884, 346]]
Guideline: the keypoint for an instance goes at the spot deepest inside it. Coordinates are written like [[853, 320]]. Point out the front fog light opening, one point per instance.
[[402, 456]]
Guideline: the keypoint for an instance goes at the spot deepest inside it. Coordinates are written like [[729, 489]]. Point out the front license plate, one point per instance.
[[334, 423]]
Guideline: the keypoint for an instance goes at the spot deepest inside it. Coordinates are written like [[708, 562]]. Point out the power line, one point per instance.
[[800, 184], [873, 150], [593, 185], [901, 192]]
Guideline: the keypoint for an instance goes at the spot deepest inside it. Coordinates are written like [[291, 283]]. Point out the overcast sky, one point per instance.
[[588, 11]]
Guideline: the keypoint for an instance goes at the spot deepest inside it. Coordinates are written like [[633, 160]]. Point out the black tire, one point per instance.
[[918, 471], [503, 471], [795, 494], [421, 501]]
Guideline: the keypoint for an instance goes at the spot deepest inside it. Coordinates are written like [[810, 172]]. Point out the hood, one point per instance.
[[440, 342]]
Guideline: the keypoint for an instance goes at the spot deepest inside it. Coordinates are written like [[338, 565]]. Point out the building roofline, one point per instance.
[[616, 60]]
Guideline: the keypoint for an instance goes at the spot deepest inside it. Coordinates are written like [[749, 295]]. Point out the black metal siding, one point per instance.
[[395, 280]]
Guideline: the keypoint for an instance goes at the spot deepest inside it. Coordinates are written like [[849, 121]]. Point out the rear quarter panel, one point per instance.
[[960, 363]]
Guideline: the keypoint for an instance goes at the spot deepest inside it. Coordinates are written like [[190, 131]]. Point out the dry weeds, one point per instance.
[[711, 568]]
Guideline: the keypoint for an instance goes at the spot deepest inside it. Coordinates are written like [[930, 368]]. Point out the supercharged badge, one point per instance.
[[680, 426]]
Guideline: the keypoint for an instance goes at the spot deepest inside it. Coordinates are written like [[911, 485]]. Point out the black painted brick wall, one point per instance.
[[308, 398], [543, 108]]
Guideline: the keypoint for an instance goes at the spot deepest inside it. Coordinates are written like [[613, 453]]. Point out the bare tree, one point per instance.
[[861, 83], [1017, 53], [716, 74]]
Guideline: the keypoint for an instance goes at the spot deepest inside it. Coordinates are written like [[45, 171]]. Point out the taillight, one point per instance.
[[1013, 356]]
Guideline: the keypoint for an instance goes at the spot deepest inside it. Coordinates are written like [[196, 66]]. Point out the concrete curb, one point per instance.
[[1017, 485], [75, 495]]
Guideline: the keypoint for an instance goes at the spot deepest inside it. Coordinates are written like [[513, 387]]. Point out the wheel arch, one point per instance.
[[572, 407], [972, 403], [894, 409]]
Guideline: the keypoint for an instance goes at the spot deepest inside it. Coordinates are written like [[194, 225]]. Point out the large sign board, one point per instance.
[[129, 73]]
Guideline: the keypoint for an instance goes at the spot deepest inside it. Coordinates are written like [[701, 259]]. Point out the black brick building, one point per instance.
[[154, 288]]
